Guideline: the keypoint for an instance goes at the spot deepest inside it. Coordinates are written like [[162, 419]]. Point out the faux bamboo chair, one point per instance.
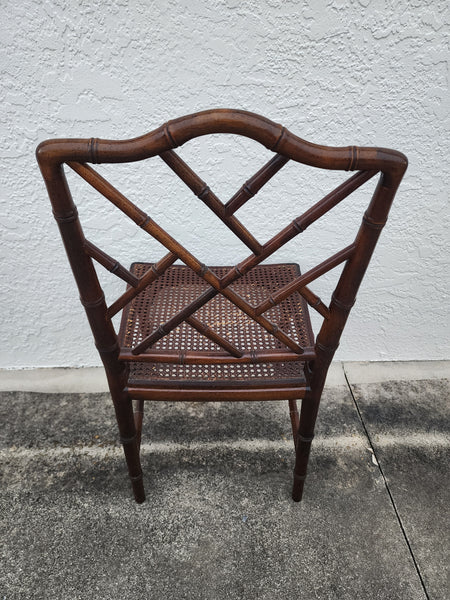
[[193, 332]]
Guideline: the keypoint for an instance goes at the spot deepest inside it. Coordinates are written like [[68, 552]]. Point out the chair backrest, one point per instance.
[[368, 162]]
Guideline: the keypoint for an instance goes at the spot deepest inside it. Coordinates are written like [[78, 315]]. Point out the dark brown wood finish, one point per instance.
[[232, 352]]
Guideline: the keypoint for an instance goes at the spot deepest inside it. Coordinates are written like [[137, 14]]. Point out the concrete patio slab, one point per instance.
[[377, 372], [218, 522], [408, 424], [83, 380]]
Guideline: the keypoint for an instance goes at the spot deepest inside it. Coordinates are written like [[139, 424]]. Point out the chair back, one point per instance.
[[78, 155]]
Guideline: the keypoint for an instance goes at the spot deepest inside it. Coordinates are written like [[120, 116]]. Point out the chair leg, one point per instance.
[[293, 413], [138, 419], [130, 441], [305, 435]]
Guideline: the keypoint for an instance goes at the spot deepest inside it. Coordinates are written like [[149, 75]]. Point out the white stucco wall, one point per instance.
[[334, 72]]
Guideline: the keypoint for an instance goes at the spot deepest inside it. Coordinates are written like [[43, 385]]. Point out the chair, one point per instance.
[[220, 333]]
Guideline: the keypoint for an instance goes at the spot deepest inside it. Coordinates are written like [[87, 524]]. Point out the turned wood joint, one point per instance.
[[69, 217], [93, 303], [93, 150], [353, 158], [309, 368], [145, 221], [204, 192], [327, 349], [278, 141], [305, 439], [203, 270], [128, 440], [369, 222], [296, 224], [169, 136], [107, 349], [247, 190], [342, 305]]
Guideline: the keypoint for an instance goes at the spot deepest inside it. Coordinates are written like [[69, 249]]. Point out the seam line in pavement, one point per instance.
[[369, 439]]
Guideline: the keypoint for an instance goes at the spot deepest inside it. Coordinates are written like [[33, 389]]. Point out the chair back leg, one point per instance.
[[293, 413], [126, 421], [138, 419], [305, 435], [129, 438]]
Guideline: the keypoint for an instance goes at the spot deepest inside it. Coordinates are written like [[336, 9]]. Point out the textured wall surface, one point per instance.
[[334, 72]]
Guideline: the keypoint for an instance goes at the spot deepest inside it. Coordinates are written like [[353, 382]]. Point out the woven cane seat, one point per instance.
[[177, 288]]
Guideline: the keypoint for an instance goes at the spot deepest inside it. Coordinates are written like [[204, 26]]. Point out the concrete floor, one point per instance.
[[218, 522]]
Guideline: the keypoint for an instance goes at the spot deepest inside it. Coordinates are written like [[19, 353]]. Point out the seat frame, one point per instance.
[[315, 359]]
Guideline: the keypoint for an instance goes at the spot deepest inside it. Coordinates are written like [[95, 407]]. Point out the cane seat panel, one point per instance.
[[178, 287]]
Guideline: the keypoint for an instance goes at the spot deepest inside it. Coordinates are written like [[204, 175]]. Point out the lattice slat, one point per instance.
[[306, 219], [311, 275], [151, 275], [176, 320], [222, 285], [112, 265], [214, 337], [333, 198], [315, 302], [206, 195], [299, 224], [255, 183], [265, 323], [143, 221], [146, 223]]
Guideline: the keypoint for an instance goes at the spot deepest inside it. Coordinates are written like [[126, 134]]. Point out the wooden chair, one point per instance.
[[193, 332]]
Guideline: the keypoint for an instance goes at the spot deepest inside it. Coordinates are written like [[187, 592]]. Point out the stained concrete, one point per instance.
[[218, 522]]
